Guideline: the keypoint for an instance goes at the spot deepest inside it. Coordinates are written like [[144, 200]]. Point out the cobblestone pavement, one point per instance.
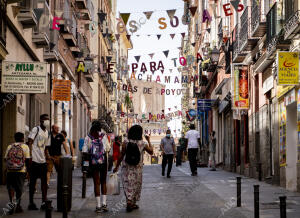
[[209, 195]]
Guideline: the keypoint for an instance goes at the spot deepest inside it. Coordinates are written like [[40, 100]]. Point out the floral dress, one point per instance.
[[132, 176]]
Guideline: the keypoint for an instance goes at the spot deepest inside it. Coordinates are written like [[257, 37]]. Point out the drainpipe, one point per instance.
[[270, 137]]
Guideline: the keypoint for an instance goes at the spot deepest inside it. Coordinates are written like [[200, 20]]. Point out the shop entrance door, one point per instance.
[[291, 147]]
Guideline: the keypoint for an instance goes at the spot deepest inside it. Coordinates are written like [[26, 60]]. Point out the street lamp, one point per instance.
[[214, 56]]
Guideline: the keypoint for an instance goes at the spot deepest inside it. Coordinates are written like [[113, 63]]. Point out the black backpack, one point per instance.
[[133, 154]]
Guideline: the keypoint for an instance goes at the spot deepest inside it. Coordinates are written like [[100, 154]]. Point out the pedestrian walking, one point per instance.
[[167, 145], [132, 166], [193, 141], [95, 150], [69, 144], [38, 141], [212, 150], [57, 142], [17, 157], [116, 150], [181, 150]]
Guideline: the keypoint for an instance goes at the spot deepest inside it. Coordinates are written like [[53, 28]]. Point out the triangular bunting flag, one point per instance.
[[235, 4], [162, 71], [179, 48], [51, 45], [171, 13], [58, 13], [183, 35], [148, 14], [172, 35], [194, 67], [125, 17], [193, 44], [137, 35], [208, 30], [137, 58], [149, 35], [128, 37], [38, 12], [171, 70], [193, 10], [117, 36], [175, 107], [104, 35], [158, 36], [213, 7], [166, 53], [108, 58], [151, 55], [16, 10]]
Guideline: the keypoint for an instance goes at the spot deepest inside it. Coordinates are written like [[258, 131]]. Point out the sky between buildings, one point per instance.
[[144, 44]]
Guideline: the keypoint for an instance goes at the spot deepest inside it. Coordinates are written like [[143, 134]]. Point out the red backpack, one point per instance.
[[15, 159]]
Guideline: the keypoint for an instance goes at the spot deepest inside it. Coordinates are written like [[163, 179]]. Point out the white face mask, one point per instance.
[[46, 123]]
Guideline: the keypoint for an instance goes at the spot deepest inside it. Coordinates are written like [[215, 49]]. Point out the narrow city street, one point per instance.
[[209, 195]]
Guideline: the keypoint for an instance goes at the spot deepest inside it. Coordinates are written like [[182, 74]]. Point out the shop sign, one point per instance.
[[240, 85], [61, 90], [298, 122], [268, 84], [282, 90], [288, 68], [24, 77], [290, 98]]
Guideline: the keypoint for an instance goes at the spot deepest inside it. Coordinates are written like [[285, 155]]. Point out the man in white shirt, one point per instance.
[[193, 141], [38, 140]]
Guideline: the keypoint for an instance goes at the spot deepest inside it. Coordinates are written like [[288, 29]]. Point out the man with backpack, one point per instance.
[[17, 159], [167, 146], [38, 140]]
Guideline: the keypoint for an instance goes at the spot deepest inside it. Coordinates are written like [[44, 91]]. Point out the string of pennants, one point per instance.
[[148, 14], [172, 35]]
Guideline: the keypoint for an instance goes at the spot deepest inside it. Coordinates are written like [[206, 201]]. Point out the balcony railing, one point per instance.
[[258, 20], [237, 55], [292, 26], [275, 38], [41, 36], [220, 33], [27, 18], [246, 41]]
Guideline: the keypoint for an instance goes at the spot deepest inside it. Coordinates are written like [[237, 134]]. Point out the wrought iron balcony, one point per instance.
[[41, 35], [220, 33], [81, 4], [275, 38], [246, 41], [237, 55], [258, 20], [88, 12], [292, 26]]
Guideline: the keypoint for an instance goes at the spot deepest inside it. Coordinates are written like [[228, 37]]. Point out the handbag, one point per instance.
[[113, 184]]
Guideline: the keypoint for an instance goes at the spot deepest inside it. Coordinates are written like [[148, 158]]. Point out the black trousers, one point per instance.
[[192, 155], [167, 159], [38, 170], [179, 155]]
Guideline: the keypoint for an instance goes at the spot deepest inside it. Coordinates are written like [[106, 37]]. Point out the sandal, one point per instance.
[[135, 206]]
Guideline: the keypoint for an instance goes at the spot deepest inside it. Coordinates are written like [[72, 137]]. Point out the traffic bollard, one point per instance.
[[256, 201], [83, 184], [259, 172], [65, 204], [282, 206], [48, 210], [238, 191]]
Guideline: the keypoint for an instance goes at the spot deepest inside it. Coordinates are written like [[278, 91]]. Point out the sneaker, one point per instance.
[[32, 207], [98, 210], [19, 209], [168, 176], [163, 173], [104, 208], [213, 169]]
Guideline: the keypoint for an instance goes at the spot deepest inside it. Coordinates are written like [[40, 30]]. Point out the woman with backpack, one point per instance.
[[132, 167], [95, 150]]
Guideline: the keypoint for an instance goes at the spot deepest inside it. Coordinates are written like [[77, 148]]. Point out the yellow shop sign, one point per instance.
[[288, 68]]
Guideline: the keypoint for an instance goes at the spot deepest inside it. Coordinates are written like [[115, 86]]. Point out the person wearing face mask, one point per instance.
[[38, 140], [167, 145]]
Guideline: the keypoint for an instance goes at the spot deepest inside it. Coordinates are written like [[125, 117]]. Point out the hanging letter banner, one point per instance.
[[240, 87], [288, 68]]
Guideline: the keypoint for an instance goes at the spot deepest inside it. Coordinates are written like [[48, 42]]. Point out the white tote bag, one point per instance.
[[113, 184]]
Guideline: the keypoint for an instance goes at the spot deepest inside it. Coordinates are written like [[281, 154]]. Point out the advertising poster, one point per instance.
[[288, 68], [282, 134], [24, 77], [240, 87], [61, 90]]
